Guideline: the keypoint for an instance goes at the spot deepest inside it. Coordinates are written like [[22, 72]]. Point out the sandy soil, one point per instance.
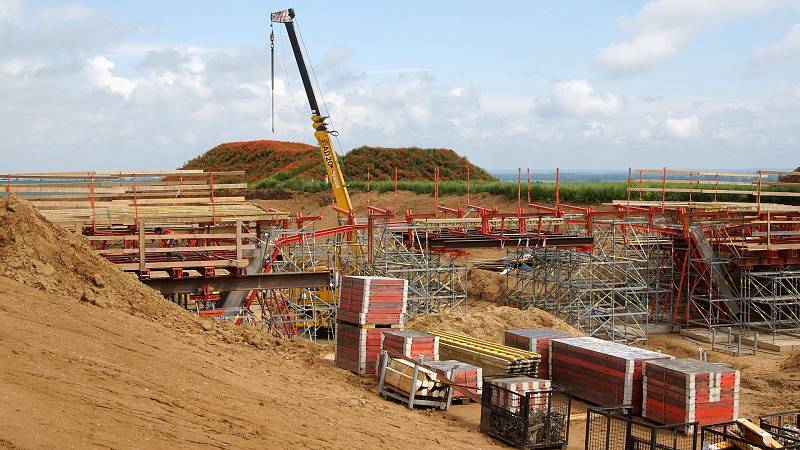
[[92, 358], [487, 321]]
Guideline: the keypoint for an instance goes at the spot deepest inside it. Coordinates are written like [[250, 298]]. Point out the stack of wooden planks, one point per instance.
[[368, 307], [514, 390], [399, 376], [535, 340], [125, 198], [688, 390], [460, 373], [411, 344], [601, 372], [493, 358]]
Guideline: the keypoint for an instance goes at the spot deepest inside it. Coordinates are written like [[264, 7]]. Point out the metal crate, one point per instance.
[[535, 420], [615, 428], [728, 432], [784, 427]]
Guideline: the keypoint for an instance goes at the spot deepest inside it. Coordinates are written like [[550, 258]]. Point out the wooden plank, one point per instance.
[[696, 172], [152, 237], [43, 187], [129, 267], [142, 265], [239, 246], [208, 248], [140, 202]]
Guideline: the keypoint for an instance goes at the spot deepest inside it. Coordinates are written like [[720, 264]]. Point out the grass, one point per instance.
[[569, 192]]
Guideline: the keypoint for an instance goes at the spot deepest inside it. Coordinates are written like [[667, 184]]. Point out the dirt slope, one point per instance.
[[90, 357]]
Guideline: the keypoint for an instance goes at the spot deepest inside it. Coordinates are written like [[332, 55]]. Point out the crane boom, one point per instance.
[[321, 133]]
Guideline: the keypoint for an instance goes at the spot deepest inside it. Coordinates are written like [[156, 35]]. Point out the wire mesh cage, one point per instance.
[[615, 428], [784, 427], [532, 420], [721, 434]]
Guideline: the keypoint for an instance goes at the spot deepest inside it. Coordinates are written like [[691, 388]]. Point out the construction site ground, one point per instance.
[[92, 358]]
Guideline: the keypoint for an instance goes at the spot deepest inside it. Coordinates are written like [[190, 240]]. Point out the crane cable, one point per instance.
[[333, 131], [281, 40]]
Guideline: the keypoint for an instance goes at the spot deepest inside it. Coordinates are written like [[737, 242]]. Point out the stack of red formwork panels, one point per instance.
[[368, 307], [460, 373], [411, 344], [522, 385], [372, 300], [535, 340], [688, 390], [358, 347], [601, 372]]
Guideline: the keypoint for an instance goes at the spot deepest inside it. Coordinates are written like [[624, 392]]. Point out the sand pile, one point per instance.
[[43, 256], [487, 286], [487, 321], [791, 363]]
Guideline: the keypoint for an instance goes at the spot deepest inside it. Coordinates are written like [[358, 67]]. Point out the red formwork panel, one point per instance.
[[358, 347], [689, 390], [535, 340], [460, 373], [521, 385], [412, 344], [601, 372], [373, 300]]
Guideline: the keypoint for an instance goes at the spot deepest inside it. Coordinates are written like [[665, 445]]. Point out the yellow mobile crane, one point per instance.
[[321, 132]]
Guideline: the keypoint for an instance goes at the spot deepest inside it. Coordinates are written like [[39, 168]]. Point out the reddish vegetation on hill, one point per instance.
[[264, 159]]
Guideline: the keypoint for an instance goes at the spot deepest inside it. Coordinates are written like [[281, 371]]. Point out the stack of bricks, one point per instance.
[[535, 340], [601, 372], [368, 307], [411, 344], [460, 373], [514, 390], [688, 390]]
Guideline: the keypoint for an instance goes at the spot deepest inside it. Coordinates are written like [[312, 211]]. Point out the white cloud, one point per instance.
[[98, 70], [62, 91], [643, 53], [578, 98], [785, 97], [661, 27], [787, 47], [9, 9], [683, 127]]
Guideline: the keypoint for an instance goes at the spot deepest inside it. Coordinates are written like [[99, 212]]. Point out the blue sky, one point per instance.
[[578, 85]]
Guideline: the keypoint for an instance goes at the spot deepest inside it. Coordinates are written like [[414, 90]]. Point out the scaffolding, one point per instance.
[[772, 300], [608, 293], [436, 283]]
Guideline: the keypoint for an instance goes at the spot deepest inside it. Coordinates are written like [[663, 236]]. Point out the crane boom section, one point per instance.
[[340, 195]]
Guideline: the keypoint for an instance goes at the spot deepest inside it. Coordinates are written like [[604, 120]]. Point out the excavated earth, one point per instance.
[[90, 357]]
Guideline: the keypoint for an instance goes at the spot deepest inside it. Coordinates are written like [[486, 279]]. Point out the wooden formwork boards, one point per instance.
[[125, 198], [599, 371], [689, 390]]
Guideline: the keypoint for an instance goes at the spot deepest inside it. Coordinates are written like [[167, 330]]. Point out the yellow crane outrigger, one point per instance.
[[331, 162]]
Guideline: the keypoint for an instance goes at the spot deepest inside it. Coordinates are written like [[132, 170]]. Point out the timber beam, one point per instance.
[[272, 280]]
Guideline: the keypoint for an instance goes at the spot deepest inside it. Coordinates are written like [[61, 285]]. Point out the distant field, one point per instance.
[[575, 192]]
